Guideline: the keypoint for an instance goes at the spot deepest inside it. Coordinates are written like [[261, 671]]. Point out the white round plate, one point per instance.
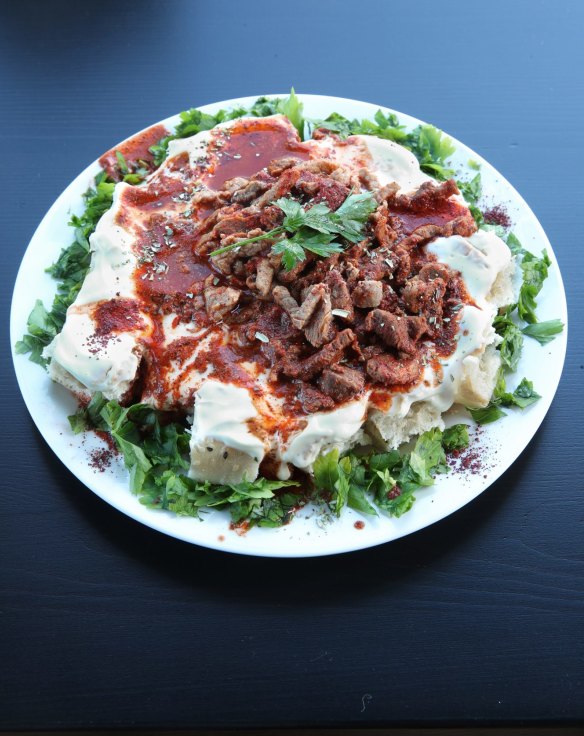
[[500, 443]]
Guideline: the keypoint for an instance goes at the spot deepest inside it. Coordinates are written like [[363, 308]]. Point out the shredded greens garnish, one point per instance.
[[314, 229], [156, 455], [156, 451], [69, 270], [535, 271]]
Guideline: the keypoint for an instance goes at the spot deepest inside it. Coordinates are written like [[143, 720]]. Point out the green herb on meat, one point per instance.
[[314, 229]]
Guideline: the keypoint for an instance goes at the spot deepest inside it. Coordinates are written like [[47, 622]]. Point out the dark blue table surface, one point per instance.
[[478, 619]]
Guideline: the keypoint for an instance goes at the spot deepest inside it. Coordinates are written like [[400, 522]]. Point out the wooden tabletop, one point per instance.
[[473, 623]]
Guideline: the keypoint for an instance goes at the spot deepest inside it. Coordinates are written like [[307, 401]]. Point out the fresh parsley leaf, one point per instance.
[[358, 500], [535, 271], [318, 243], [544, 332], [432, 148], [511, 347], [471, 190], [472, 164], [487, 414], [427, 457], [524, 395], [514, 245], [326, 471], [292, 108], [291, 250], [455, 437], [122, 163]]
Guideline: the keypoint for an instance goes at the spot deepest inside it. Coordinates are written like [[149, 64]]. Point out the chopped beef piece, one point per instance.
[[391, 371], [417, 326], [370, 351], [314, 315], [288, 277], [321, 269], [219, 300], [319, 166], [396, 331], [373, 267], [388, 192], [320, 329], [250, 192], [240, 222], [367, 294], [341, 382], [262, 279], [271, 217], [389, 300], [347, 178], [403, 266], [209, 198], [284, 299], [415, 295], [308, 183], [351, 274], [331, 193], [382, 229], [320, 133], [235, 184], [432, 271], [281, 188], [368, 179], [464, 225], [302, 315], [429, 195], [425, 292], [340, 297], [421, 235], [313, 400], [329, 355], [279, 165], [225, 261]]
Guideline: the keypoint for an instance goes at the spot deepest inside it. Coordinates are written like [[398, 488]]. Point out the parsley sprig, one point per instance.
[[314, 229]]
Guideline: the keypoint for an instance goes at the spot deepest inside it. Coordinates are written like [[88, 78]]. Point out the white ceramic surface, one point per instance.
[[500, 443]]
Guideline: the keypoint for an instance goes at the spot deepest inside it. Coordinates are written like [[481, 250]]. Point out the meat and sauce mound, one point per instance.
[[330, 328], [192, 305]]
